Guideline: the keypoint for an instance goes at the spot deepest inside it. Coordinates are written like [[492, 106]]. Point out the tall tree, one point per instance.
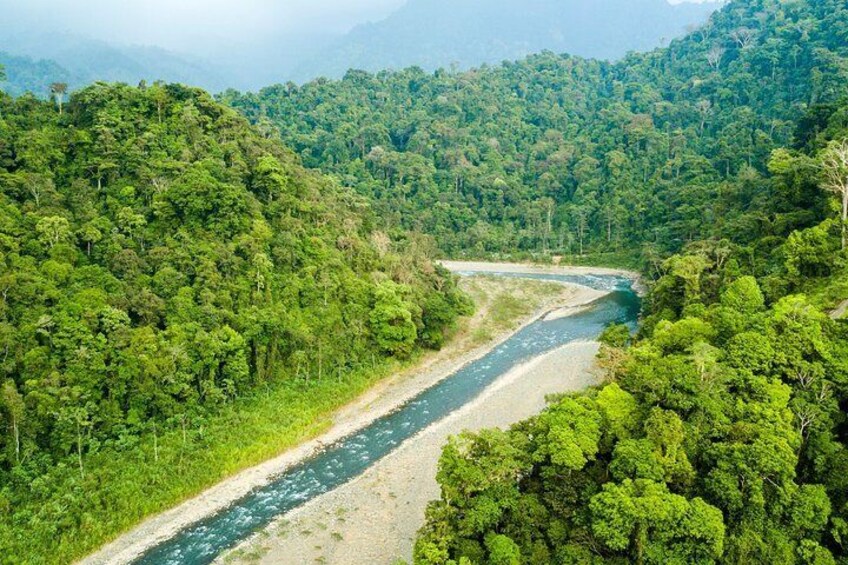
[[835, 168], [58, 91]]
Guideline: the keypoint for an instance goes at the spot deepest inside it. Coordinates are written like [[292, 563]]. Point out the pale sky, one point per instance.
[[188, 24], [178, 23]]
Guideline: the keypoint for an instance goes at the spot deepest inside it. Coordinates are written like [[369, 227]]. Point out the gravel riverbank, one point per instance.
[[533, 268], [374, 518], [378, 401]]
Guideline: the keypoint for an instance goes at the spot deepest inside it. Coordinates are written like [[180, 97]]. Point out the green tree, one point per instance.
[[391, 320], [13, 404], [645, 522]]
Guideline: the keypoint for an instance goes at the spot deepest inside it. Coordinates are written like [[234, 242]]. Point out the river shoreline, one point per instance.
[[536, 268], [374, 518], [383, 398]]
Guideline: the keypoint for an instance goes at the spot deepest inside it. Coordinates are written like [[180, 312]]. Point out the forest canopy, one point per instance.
[[163, 262], [718, 433], [559, 154], [159, 260]]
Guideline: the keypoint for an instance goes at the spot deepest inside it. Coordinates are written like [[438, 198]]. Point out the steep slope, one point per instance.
[[719, 435], [560, 154], [436, 34], [161, 265]]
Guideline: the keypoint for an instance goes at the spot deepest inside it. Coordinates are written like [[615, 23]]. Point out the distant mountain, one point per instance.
[[465, 33], [25, 74], [34, 59]]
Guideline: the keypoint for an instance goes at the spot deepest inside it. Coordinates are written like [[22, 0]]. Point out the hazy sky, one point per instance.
[[188, 24], [179, 23]]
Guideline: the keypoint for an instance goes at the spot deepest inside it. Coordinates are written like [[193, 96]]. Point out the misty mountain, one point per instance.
[[34, 59], [29, 75], [426, 33], [443, 33]]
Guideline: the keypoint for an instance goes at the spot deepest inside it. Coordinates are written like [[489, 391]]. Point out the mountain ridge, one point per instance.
[[419, 33], [35, 59]]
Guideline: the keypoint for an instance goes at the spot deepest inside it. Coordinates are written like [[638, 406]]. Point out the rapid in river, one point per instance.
[[337, 464]]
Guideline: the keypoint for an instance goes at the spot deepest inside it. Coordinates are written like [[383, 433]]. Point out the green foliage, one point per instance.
[[744, 296], [571, 432], [555, 154], [502, 550], [391, 320], [615, 335], [160, 263], [720, 436], [707, 449], [642, 520]]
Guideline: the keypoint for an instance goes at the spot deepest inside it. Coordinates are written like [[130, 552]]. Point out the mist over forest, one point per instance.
[[248, 45]]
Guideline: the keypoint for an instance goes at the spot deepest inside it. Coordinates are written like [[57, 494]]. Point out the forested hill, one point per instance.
[[719, 432], [467, 33], [570, 155], [160, 261]]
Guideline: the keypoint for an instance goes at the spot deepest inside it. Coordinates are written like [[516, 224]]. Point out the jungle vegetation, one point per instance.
[[173, 284], [718, 434], [557, 154], [173, 278]]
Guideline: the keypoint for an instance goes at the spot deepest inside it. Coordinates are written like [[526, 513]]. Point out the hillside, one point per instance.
[[566, 155], [719, 432], [171, 278], [717, 436], [435, 34]]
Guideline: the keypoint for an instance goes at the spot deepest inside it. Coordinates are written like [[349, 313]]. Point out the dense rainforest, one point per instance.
[[174, 280], [719, 434], [162, 265], [564, 155]]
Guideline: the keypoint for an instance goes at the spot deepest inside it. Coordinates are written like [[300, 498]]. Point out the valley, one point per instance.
[[550, 311], [515, 305]]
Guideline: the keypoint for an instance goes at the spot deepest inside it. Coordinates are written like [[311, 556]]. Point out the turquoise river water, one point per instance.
[[337, 464]]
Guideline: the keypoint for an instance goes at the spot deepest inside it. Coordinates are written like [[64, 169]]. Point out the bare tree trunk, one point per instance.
[[79, 450], [16, 432], [155, 443]]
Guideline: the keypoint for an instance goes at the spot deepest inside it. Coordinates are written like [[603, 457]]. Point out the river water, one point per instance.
[[337, 464]]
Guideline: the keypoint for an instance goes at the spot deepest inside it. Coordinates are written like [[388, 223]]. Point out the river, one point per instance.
[[337, 464]]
